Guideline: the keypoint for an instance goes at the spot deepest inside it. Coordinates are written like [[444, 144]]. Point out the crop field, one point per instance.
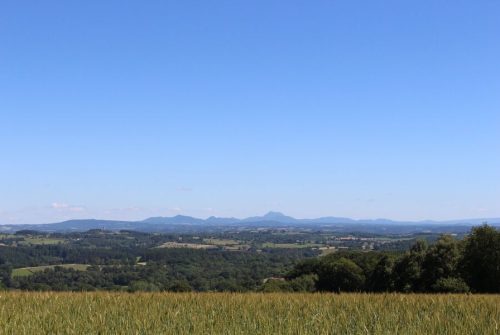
[[28, 271], [41, 240], [219, 241], [290, 245], [253, 313], [187, 245]]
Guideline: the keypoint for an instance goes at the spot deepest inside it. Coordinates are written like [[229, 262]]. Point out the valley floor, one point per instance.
[[250, 313]]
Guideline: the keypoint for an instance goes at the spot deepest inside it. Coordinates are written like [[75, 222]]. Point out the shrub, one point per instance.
[[450, 285]]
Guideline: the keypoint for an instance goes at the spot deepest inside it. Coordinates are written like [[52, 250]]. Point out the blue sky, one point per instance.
[[365, 109]]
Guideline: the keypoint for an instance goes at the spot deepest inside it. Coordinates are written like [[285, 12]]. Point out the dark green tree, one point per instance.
[[342, 275], [441, 261], [450, 285], [407, 272], [480, 265], [141, 285], [180, 286], [381, 278]]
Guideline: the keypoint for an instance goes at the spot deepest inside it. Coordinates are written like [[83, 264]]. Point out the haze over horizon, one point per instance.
[[351, 109], [273, 216]]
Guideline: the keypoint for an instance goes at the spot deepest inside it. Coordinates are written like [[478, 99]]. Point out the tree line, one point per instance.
[[448, 266], [127, 261], [159, 269]]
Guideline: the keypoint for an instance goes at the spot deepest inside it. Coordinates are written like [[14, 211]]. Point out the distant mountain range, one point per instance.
[[281, 218], [181, 223]]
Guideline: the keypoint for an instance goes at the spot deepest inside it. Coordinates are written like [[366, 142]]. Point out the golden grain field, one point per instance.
[[252, 313]]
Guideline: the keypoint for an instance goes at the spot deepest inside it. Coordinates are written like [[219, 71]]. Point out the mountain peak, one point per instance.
[[272, 214]]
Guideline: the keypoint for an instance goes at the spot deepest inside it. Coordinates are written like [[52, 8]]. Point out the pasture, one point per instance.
[[28, 271]]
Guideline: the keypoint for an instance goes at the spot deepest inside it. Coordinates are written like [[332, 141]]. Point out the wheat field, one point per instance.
[[252, 313]]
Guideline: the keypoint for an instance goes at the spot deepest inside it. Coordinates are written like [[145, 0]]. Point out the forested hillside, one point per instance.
[[272, 260]]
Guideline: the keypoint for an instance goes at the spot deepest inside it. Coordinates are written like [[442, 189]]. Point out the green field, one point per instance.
[[42, 240], [224, 313], [19, 272], [219, 241], [290, 245], [174, 245]]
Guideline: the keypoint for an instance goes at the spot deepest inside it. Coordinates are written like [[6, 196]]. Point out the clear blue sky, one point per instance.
[[366, 109]]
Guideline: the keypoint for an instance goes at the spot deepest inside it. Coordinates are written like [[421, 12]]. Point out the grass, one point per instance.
[[42, 240], [327, 250], [290, 245], [219, 241], [187, 245], [224, 313], [20, 272]]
